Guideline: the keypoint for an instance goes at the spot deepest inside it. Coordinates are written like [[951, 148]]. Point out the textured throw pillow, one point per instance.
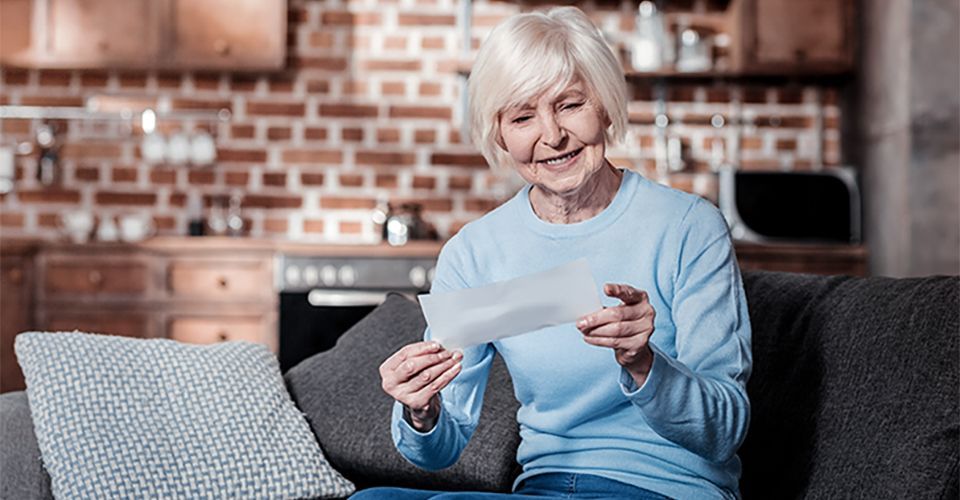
[[339, 391], [153, 418]]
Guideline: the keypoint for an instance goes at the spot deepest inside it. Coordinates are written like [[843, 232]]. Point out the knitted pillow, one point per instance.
[[118, 417]]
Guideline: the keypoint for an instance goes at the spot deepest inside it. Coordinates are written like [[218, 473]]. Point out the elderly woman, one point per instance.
[[645, 398]]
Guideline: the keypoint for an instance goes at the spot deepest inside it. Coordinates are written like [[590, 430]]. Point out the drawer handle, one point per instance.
[[221, 336], [95, 278], [221, 47], [222, 282]]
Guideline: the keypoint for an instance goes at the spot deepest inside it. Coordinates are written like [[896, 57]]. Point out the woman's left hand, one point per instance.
[[625, 328]]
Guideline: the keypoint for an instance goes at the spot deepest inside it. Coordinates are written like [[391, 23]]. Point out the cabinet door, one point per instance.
[[220, 279], [99, 33], [15, 312], [202, 329], [228, 34], [795, 36], [83, 278]]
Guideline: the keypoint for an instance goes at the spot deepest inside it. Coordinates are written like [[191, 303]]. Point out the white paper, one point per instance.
[[474, 316]]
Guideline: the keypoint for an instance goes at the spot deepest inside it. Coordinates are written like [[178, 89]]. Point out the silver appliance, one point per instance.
[[322, 297]]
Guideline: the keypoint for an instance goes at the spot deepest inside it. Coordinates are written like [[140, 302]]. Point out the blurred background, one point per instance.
[[207, 170]]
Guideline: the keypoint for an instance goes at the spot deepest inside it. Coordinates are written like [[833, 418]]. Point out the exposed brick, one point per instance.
[[89, 174], [206, 81], [158, 176], [641, 92], [275, 225], [85, 150], [327, 63], [754, 95], [391, 65], [350, 227], [132, 80], [281, 83], [354, 87], [296, 15], [352, 134], [16, 126], [718, 95], [180, 200], [428, 204], [313, 226], [433, 43], [54, 78], [351, 180], [315, 133], [460, 182], [751, 143], [311, 178], [243, 82], [487, 20], [345, 18], [169, 80], [261, 108], [358, 43], [683, 182], [790, 96], [386, 181], [454, 137], [321, 39], [393, 88], [646, 141], [425, 136], [117, 198], [318, 86], [696, 119], [759, 164], [395, 43], [346, 203], [164, 223], [680, 94], [263, 201], [212, 104], [275, 179], [242, 155], [426, 20], [428, 89], [388, 135], [37, 100], [123, 174], [440, 112], [458, 159], [348, 110], [786, 144], [312, 156], [197, 177], [8, 219], [385, 159], [831, 122], [641, 117], [831, 97], [479, 204], [424, 182], [13, 76], [236, 178], [50, 220], [243, 131], [783, 121], [279, 133]]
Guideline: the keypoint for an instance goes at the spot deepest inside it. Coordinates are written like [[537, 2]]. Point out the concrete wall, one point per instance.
[[910, 135]]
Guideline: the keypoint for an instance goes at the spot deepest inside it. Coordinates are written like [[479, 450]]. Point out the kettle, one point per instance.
[[405, 223]]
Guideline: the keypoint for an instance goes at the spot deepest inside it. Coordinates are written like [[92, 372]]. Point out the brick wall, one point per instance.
[[368, 108]]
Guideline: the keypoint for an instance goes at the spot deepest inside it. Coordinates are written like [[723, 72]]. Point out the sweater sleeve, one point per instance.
[[461, 400], [698, 399]]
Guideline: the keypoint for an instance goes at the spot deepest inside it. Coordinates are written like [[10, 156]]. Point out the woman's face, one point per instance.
[[556, 141]]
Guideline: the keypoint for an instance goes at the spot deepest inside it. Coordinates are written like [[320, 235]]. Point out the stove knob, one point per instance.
[[311, 276], [348, 276], [292, 275], [328, 275], [418, 276]]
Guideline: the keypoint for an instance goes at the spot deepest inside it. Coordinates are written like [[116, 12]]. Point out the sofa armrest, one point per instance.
[[22, 475]]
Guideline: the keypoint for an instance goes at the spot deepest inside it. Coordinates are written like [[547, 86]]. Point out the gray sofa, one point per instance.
[[854, 395]]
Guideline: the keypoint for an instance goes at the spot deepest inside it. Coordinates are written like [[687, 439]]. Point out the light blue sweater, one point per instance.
[[580, 411]]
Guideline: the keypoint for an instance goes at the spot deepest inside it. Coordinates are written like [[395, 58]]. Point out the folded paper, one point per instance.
[[503, 309]]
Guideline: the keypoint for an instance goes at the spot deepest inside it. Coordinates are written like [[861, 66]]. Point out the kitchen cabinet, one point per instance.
[[16, 308], [787, 36], [145, 34]]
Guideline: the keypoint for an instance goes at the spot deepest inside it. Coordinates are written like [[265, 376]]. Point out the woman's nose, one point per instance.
[[551, 134]]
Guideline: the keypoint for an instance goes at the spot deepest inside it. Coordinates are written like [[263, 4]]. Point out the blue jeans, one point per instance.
[[554, 484]]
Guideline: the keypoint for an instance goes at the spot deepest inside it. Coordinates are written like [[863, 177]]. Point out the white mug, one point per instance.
[[77, 225], [136, 227]]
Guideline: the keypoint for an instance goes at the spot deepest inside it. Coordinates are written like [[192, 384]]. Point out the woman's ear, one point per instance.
[[498, 136]]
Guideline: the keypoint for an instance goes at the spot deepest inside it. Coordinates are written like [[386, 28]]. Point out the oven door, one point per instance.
[[311, 322]]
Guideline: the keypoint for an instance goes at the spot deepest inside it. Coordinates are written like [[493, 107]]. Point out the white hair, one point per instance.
[[530, 54]]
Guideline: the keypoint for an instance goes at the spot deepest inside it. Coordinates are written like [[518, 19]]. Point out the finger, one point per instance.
[[410, 350], [430, 374], [642, 326], [626, 293], [629, 343], [413, 367], [613, 315], [422, 397]]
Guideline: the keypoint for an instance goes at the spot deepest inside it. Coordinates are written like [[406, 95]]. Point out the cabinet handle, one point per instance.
[[221, 336], [95, 278], [221, 47], [16, 276], [222, 282]]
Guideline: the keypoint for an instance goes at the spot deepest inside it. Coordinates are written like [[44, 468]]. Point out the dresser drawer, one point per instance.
[[127, 324], [207, 279], [209, 330], [96, 276]]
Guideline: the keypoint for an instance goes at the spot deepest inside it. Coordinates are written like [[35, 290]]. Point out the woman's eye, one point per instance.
[[521, 119], [572, 105]]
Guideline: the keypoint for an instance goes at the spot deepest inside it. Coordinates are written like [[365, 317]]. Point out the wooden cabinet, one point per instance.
[[199, 329], [16, 308], [227, 34], [220, 279], [787, 36], [145, 34]]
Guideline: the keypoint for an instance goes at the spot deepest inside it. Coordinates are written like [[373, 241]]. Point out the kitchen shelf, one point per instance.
[[78, 113]]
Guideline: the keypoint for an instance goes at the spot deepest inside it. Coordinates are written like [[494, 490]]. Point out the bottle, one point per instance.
[[647, 53], [235, 224], [195, 222]]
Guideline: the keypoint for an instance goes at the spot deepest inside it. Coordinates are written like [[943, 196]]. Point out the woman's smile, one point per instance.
[[563, 161]]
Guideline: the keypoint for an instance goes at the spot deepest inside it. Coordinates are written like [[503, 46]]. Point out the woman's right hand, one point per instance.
[[414, 376]]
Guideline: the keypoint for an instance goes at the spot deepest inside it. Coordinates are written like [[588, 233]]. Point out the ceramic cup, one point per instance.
[[77, 225], [136, 227]]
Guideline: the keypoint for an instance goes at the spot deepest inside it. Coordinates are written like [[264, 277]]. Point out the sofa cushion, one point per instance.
[[21, 472], [119, 417], [854, 387], [340, 392]]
